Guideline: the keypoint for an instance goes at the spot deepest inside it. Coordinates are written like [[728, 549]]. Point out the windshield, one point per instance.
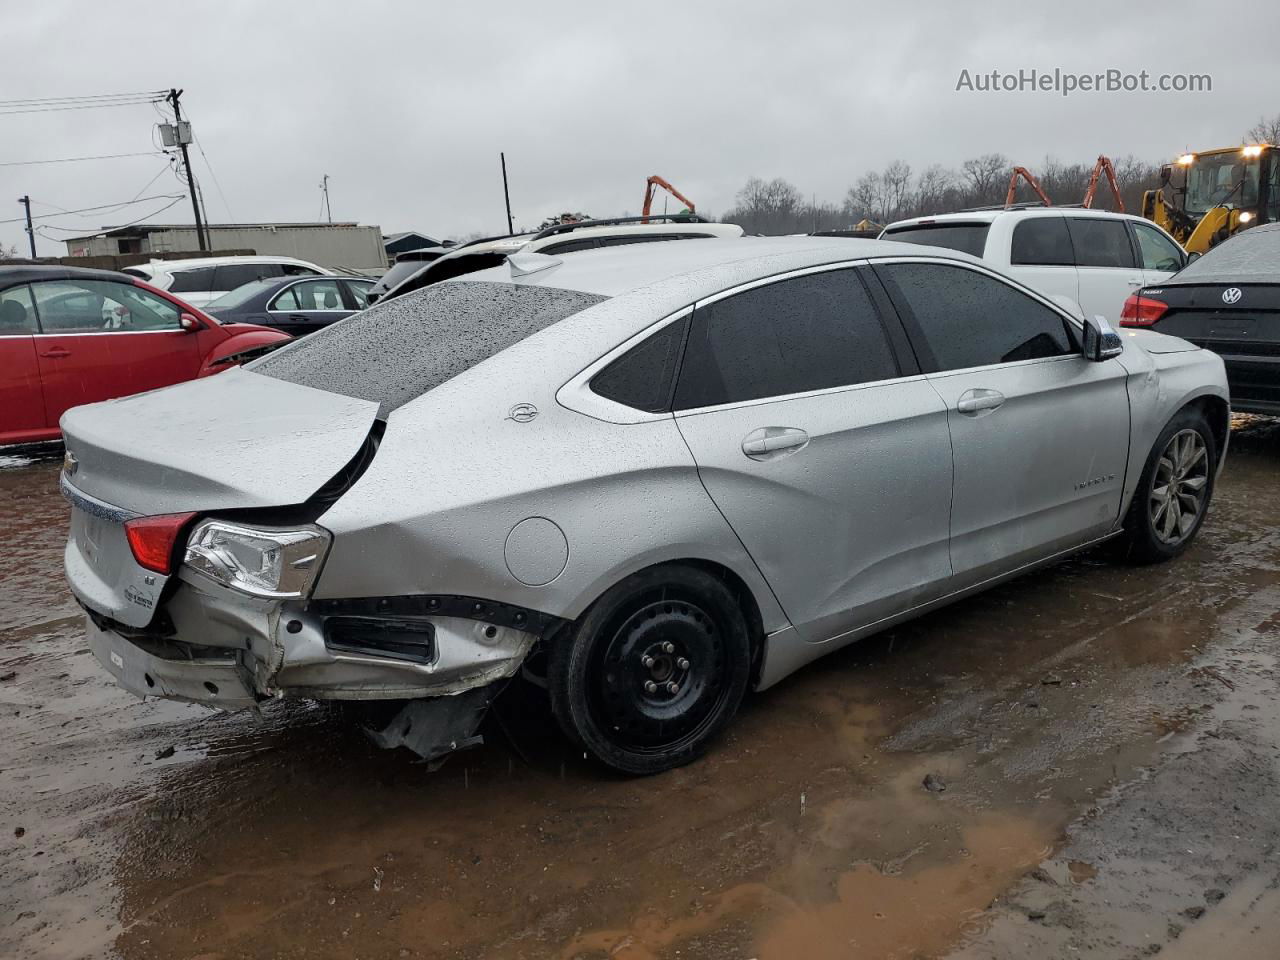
[[1223, 178], [968, 238], [399, 271], [239, 295], [399, 349]]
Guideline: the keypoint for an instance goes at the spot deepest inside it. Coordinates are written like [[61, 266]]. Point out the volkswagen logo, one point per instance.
[[1231, 295], [522, 412]]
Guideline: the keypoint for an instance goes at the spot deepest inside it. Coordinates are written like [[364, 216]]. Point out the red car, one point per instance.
[[70, 336]]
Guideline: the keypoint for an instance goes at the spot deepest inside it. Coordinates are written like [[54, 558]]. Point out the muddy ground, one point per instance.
[[1108, 739]]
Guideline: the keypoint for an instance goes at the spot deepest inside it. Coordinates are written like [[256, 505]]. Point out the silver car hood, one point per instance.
[[237, 439], [1153, 341]]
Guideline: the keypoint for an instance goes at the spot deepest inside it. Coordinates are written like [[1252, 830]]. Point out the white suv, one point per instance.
[[1094, 257], [202, 279]]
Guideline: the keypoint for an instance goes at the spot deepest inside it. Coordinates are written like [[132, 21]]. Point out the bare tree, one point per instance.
[[8, 253], [932, 188], [1264, 131], [770, 207], [984, 174]]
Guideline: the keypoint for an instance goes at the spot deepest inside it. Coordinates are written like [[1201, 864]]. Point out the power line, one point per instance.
[[118, 226], [79, 106], [105, 206], [105, 156], [91, 96]]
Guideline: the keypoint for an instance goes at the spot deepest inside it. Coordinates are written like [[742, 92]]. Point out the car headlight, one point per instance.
[[261, 561]]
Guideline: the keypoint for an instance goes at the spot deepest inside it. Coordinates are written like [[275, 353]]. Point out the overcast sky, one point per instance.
[[406, 105]]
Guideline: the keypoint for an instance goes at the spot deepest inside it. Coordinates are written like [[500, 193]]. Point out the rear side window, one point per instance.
[[400, 348], [199, 280], [234, 275], [806, 333], [642, 377], [1100, 242], [968, 238], [970, 319], [1042, 241]]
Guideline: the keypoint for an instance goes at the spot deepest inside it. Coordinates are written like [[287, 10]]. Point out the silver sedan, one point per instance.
[[646, 479]]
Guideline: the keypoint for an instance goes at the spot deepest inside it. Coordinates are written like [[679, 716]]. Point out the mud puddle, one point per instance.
[[1034, 711]]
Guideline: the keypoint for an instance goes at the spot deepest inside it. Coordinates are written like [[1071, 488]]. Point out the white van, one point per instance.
[[1095, 257]]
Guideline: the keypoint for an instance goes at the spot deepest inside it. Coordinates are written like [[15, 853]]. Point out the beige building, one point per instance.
[[327, 244]]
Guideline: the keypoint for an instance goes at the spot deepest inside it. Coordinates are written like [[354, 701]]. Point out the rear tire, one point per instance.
[[653, 671], [1174, 490]]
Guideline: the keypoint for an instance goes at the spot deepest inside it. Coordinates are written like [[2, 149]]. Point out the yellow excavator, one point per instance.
[[1221, 192]]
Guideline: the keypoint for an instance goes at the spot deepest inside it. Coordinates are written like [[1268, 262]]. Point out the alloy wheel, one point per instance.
[[1178, 487]]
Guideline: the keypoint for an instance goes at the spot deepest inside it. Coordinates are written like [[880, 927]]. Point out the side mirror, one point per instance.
[[1101, 342], [189, 323], [1193, 256]]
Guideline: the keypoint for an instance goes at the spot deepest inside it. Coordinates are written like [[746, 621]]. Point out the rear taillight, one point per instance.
[[152, 539], [1140, 311]]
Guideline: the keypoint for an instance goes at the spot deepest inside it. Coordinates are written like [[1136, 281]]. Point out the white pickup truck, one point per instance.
[[1095, 257]]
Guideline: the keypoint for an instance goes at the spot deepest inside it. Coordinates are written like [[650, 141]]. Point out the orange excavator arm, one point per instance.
[[650, 188], [1103, 165], [1031, 181]]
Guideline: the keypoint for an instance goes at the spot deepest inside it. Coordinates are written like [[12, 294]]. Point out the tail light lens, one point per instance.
[[152, 539], [1140, 311]]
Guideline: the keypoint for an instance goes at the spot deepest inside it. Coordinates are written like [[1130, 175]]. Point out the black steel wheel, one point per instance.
[[653, 671]]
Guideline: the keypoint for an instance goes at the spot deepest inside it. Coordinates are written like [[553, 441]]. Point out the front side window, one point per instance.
[[806, 333], [1100, 242], [1158, 251], [17, 313], [971, 319], [101, 306], [400, 348], [359, 290], [1041, 241]]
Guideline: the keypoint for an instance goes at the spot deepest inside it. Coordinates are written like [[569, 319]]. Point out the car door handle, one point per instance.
[[767, 443], [976, 401], [56, 352], [1135, 282]]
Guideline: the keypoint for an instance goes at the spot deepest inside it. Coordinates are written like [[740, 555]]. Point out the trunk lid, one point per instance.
[[237, 439]]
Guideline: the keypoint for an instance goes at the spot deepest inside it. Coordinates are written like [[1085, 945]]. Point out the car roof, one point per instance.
[[990, 216], [166, 266], [11, 275], [694, 270]]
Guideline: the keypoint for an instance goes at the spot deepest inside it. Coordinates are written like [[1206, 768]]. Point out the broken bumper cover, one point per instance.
[[215, 646]]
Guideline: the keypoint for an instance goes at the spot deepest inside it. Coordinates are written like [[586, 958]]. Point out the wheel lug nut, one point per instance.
[[673, 688], [668, 647], [682, 663], [647, 661], [650, 687]]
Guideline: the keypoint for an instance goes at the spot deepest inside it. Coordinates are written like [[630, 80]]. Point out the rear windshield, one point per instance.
[[399, 349], [965, 237], [1251, 256], [399, 271]]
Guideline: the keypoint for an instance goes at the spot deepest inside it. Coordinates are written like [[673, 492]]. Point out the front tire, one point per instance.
[[654, 670], [1174, 490]]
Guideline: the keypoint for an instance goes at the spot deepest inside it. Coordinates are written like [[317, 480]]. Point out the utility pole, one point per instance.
[[31, 234], [324, 185], [506, 193], [202, 237]]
